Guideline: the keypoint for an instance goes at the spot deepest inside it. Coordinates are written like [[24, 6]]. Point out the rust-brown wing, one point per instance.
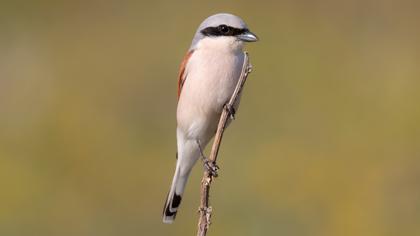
[[182, 76]]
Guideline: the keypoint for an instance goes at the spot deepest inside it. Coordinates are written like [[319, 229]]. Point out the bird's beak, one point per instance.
[[248, 36]]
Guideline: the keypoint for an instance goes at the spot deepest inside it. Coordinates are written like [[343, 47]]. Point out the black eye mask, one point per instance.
[[223, 30]]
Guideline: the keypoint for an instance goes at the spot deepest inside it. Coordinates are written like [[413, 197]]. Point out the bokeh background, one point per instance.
[[327, 140]]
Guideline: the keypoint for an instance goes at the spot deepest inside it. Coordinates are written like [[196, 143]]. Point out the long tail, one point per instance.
[[188, 154], [173, 200]]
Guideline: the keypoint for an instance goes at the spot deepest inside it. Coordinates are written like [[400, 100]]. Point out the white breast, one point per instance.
[[212, 73]]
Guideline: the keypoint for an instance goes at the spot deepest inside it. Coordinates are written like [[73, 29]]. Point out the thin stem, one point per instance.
[[205, 210]]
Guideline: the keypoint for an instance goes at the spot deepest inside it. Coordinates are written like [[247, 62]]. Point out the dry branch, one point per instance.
[[205, 210]]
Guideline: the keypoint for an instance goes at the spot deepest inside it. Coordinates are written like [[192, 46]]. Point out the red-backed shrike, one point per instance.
[[207, 78]]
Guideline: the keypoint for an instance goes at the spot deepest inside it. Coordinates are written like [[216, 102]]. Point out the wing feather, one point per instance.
[[182, 75]]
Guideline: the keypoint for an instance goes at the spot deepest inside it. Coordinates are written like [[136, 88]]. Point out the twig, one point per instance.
[[205, 210]]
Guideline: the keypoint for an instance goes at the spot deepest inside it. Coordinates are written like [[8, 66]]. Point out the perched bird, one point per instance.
[[208, 76]]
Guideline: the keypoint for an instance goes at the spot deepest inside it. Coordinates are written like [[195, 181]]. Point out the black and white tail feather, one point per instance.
[[173, 200]]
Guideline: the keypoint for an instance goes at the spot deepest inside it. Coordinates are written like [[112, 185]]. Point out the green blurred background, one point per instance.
[[327, 140]]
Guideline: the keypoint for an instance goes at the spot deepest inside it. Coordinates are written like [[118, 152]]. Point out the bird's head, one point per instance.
[[224, 29]]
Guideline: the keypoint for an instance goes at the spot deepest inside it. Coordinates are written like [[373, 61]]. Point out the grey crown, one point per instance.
[[216, 20]]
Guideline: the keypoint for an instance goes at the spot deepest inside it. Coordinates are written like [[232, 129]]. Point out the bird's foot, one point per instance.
[[231, 110], [211, 167]]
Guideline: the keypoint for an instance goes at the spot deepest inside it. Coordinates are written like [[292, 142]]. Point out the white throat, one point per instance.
[[221, 44]]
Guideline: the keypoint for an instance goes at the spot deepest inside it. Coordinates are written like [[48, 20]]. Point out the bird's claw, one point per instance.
[[211, 167], [231, 110]]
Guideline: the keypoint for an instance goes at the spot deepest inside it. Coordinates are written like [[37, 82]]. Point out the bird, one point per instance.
[[207, 77]]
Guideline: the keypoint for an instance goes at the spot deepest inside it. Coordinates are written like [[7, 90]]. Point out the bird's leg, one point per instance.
[[231, 110], [210, 166]]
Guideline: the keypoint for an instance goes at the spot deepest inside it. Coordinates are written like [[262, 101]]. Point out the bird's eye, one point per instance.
[[223, 28]]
